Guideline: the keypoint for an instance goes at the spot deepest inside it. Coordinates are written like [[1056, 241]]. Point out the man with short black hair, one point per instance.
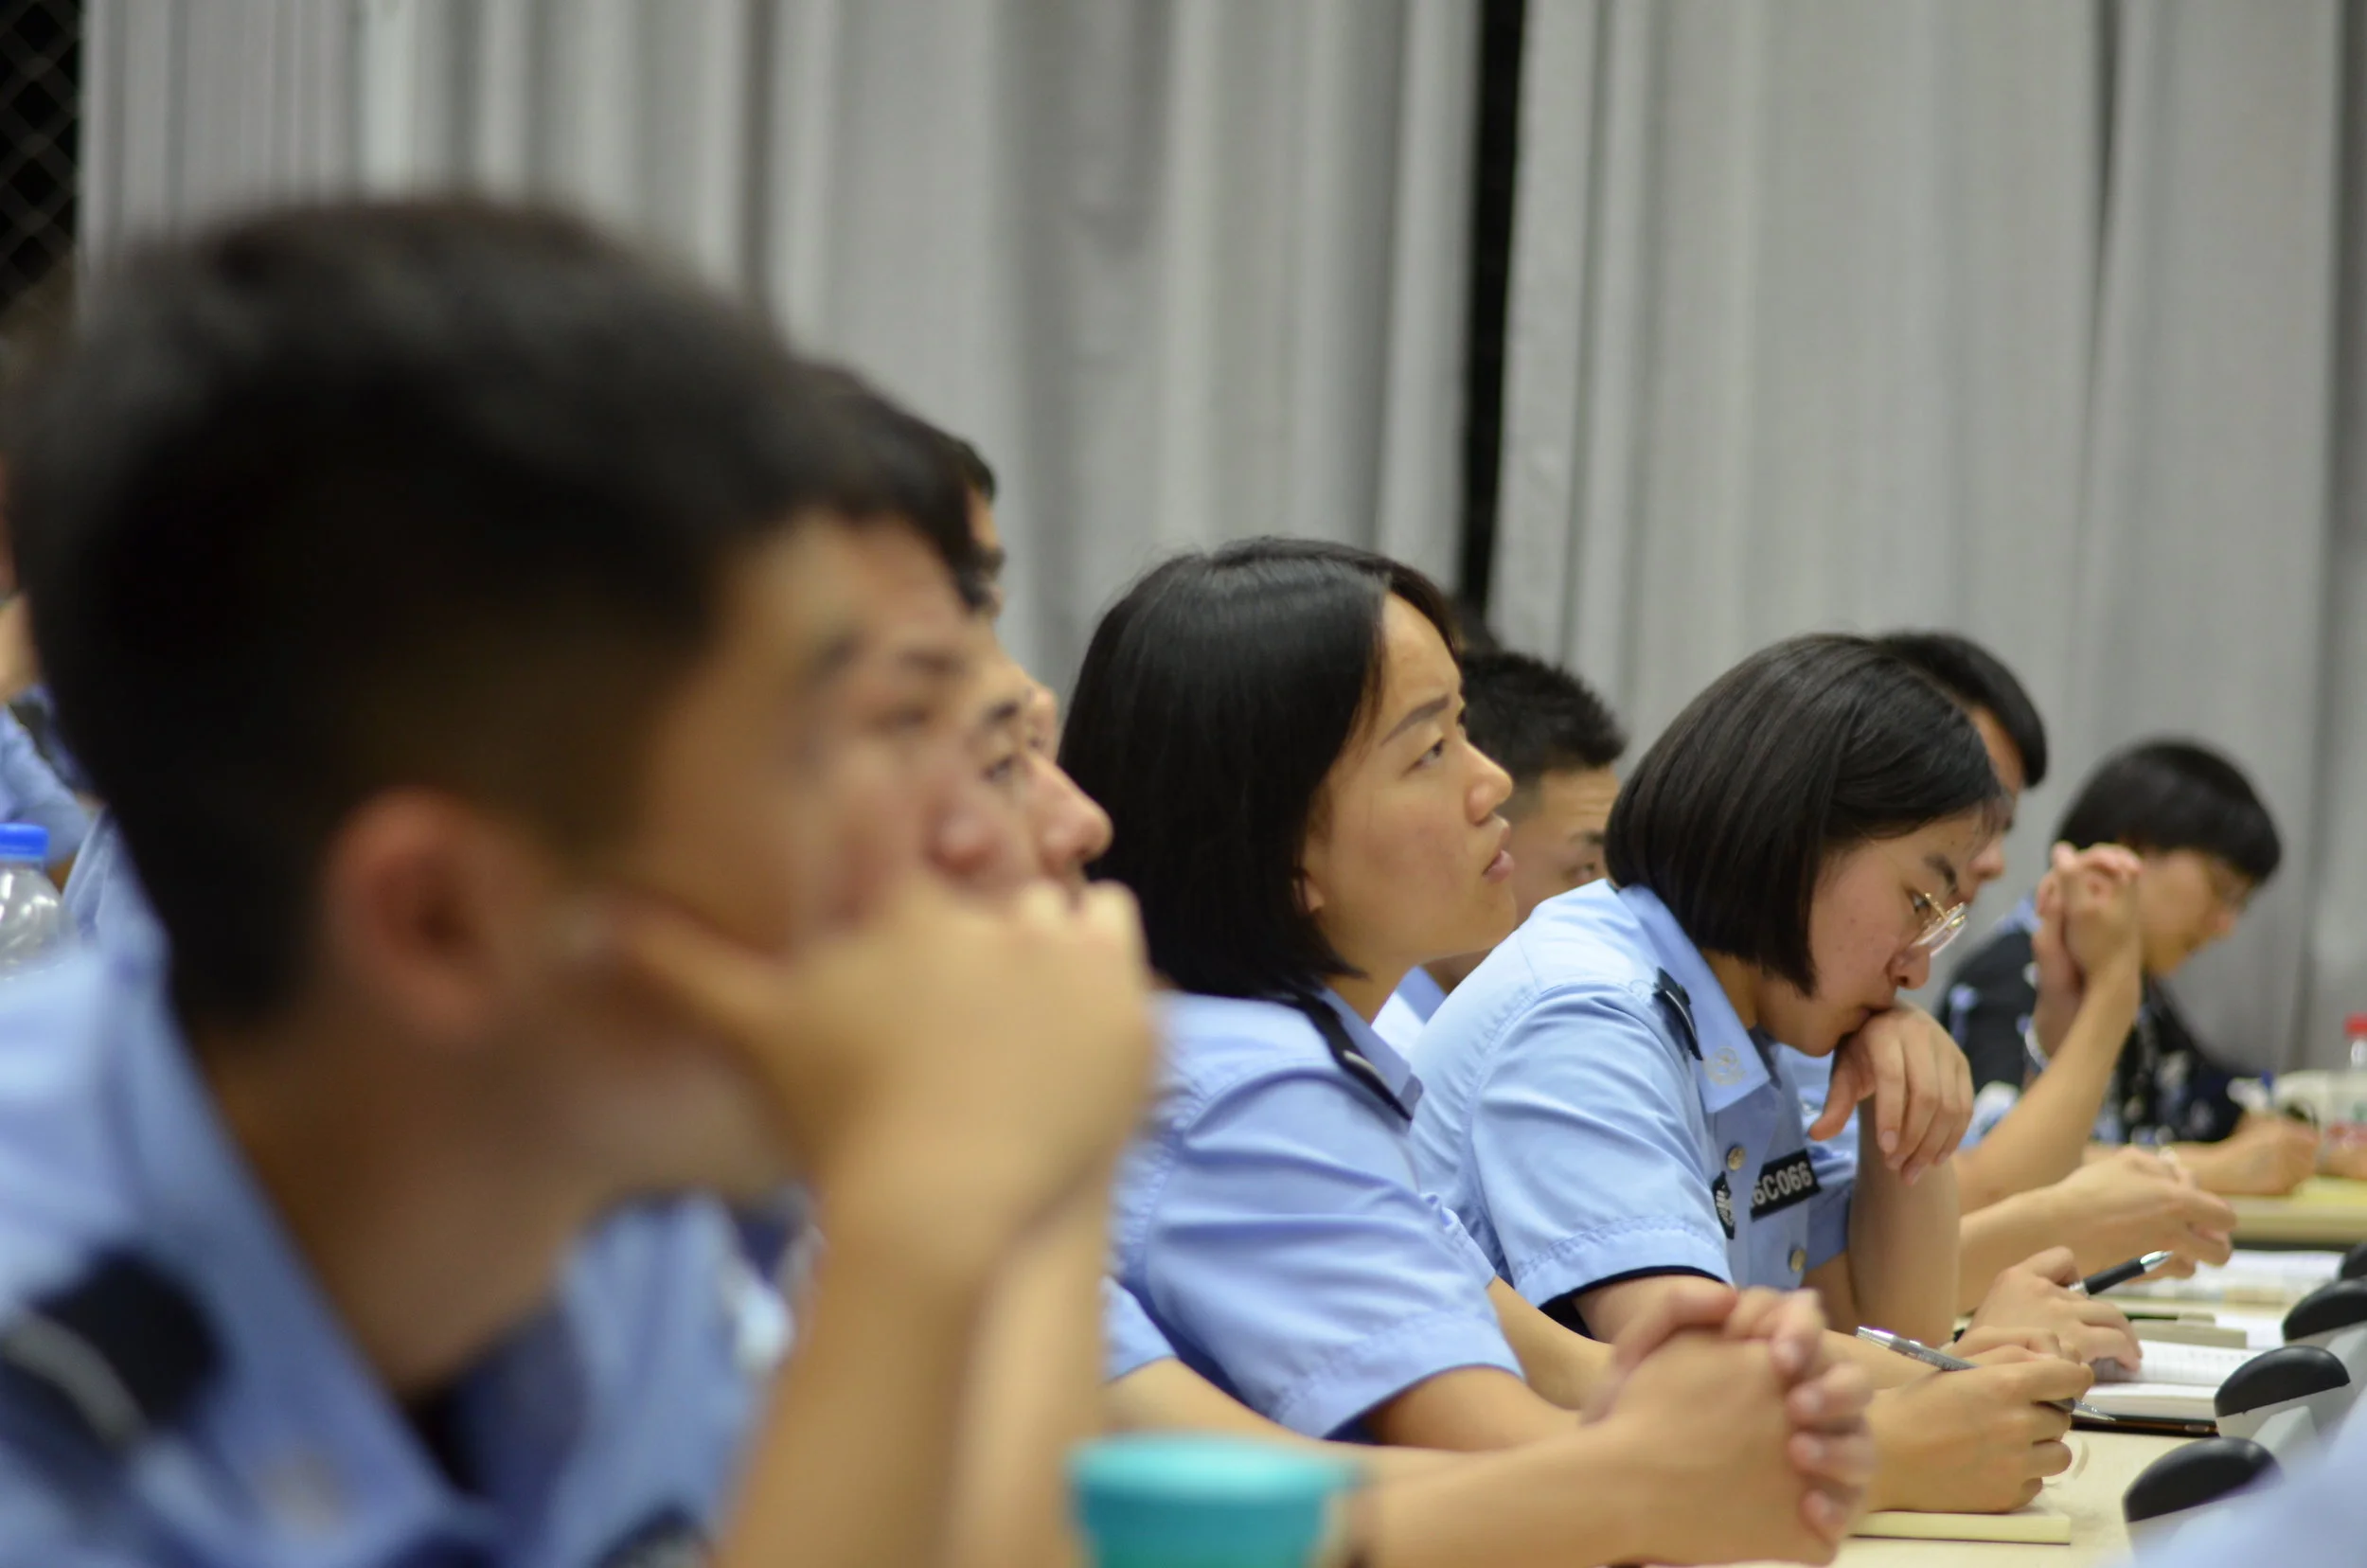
[[481, 635], [2205, 843], [1560, 741]]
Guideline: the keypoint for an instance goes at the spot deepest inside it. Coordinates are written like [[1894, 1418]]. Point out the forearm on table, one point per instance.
[[1166, 1396], [1902, 1258], [1884, 1368], [1516, 1507], [2044, 1136], [1562, 1366], [855, 1462], [2002, 1234]]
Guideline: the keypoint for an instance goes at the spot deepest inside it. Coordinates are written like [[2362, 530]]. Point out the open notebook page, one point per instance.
[[2176, 1381]]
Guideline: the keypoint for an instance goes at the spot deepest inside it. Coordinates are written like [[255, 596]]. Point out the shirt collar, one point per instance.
[[1421, 993], [301, 1420], [1731, 1064], [1394, 1069]]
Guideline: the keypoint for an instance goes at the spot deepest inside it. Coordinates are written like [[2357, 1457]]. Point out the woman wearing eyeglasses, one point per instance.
[[1604, 1110]]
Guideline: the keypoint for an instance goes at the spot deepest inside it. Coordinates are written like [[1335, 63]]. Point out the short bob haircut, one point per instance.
[[1803, 749], [1978, 679], [1213, 700], [2162, 795]]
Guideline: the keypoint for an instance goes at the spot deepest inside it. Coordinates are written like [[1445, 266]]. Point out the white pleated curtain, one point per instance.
[[2038, 320], [1185, 271]]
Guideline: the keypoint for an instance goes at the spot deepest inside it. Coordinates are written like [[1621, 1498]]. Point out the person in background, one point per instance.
[[539, 851], [1430, 1509], [1605, 1112], [2205, 843], [1274, 732], [1559, 740], [2022, 1185]]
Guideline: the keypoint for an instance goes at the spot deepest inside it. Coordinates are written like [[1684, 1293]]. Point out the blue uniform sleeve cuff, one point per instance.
[[1628, 1247], [1379, 1368]]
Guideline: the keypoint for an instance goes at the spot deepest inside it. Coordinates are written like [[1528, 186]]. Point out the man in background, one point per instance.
[[1560, 741]]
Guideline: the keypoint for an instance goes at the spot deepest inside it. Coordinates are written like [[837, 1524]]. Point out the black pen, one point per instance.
[[1917, 1351], [2120, 1274]]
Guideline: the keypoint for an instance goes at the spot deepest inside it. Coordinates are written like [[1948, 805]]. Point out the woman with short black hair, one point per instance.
[[1276, 733], [1607, 1113]]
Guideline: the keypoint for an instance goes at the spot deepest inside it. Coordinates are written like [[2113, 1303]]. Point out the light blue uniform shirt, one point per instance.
[[104, 897], [1268, 1223], [1596, 1110], [1835, 1158], [1409, 1008], [1129, 1341], [30, 790], [615, 1417]]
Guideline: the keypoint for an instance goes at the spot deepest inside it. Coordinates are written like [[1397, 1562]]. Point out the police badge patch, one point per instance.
[[1723, 1196]]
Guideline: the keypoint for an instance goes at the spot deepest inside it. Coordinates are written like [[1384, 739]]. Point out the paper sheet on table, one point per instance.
[[2154, 1401], [2262, 1331], [2248, 1276], [2030, 1527], [2203, 1366]]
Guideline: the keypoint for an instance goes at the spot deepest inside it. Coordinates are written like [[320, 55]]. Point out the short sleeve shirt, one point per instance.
[[1129, 1340], [1269, 1223], [30, 790], [1408, 1010], [1596, 1111], [613, 1419], [104, 898]]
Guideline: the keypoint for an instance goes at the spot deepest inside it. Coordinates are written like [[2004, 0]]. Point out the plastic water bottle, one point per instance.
[[2355, 1030], [32, 917], [1164, 1500]]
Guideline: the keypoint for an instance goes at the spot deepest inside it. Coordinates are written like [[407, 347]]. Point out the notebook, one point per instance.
[[2249, 1275], [2176, 1382]]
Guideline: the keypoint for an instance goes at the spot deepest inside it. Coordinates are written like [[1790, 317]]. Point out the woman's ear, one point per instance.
[[1311, 897]]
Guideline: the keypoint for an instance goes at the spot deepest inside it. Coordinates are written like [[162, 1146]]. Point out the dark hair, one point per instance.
[[976, 472], [2162, 795], [1978, 679], [1213, 700], [1805, 748], [1533, 718], [335, 498], [917, 473]]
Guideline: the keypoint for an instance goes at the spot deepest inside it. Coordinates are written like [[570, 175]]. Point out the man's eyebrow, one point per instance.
[[942, 664], [1588, 835], [1428, 711], [1010, 712], [991, 564], [832, 660]]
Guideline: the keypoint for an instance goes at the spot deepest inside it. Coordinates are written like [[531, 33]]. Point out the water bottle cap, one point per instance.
[[2355, 1023], [25, 841], [1190, 1498]]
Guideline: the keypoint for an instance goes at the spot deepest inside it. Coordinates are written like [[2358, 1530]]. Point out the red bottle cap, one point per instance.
[[2354, 1024]]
